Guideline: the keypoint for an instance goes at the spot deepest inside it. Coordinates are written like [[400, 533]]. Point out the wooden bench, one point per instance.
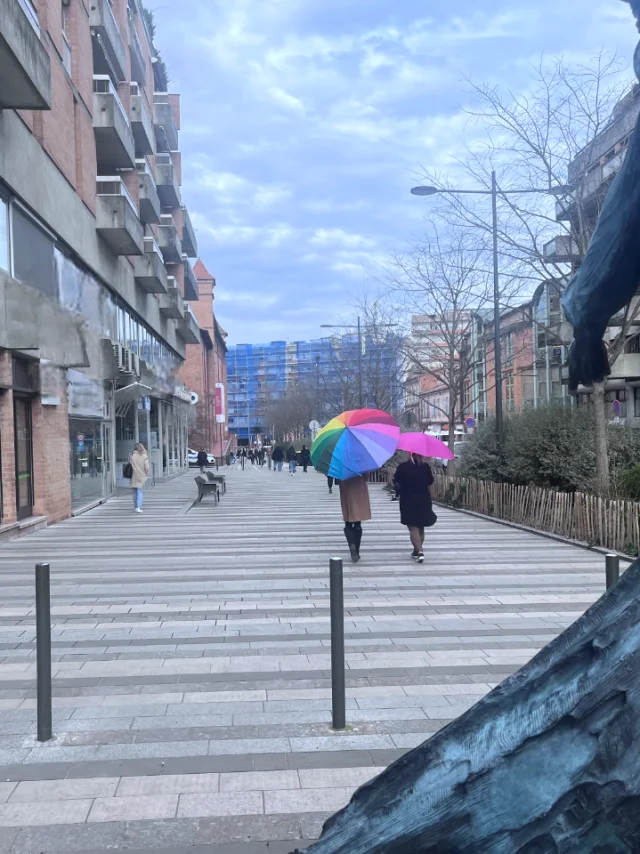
[[206, 488], [220, 479]]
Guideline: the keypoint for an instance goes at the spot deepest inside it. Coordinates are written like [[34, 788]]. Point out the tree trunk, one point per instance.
[[451, 466], [602, 450], [549, 762]]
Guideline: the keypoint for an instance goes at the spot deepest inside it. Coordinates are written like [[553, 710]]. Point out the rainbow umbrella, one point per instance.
[[355, 442]]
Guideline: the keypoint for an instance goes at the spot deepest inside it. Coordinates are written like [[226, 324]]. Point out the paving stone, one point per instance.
[[47, 812], [67, 838], [235, 803], [144, 633]]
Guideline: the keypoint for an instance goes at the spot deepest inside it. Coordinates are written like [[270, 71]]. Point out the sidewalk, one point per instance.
[[191, 660]]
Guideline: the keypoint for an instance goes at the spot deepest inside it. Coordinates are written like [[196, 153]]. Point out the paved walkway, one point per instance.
[[191, 661]]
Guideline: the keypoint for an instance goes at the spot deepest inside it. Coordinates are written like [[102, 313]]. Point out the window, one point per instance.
[[508, 349], [66, 44], [4, 235], [33, 258], [509, 392]]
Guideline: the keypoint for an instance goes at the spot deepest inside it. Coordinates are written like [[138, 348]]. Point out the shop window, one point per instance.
[[33, 254]]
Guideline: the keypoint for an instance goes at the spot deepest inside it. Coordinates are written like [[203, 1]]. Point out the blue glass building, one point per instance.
[[259, 374]]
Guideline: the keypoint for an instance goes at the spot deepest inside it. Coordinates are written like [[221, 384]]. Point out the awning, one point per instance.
[[128, 394]]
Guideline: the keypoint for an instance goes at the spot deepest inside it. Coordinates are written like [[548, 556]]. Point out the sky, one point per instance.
[[306, 122]]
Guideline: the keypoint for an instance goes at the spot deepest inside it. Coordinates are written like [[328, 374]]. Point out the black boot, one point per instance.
[[350, 534], [357, 536]]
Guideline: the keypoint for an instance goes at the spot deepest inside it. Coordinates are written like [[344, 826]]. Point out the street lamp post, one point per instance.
[[494, 192]]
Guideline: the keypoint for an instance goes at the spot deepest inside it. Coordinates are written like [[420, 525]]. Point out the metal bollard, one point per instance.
[[338, 693], [612, 564], [43, 651]]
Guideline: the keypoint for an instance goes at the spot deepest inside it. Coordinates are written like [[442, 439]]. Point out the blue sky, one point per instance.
[[305, 122]]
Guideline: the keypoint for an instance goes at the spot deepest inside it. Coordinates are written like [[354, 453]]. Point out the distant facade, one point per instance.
[[260, 374], [95, 242], [205, 373]]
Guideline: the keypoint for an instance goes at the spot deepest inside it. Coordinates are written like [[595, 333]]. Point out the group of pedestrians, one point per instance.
[[411, 482], [279, 455]]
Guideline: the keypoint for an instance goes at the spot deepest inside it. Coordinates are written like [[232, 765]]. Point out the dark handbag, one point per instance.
[[127, 471], [431, 521]]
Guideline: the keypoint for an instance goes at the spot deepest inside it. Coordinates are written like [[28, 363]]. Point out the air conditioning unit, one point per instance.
[[118, 352], [127, 359], [135, 364]]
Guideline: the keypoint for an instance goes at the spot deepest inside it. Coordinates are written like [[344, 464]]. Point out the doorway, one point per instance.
[[23, 432]]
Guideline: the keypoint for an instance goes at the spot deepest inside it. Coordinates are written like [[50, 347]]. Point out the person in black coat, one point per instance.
[[277, 456], [412, 481], [202, 460], [305, 458]]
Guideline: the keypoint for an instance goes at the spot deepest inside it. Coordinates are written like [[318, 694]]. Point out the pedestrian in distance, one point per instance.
[[305, 458], [278, 458], [292, 459], [202, 460], [138, 474], [412, 481], [330, 482], [356, 508]]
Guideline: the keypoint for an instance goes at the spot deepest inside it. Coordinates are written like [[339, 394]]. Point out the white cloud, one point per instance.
[[339, 237]]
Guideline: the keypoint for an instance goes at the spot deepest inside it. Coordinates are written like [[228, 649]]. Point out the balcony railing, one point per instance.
[[114, 186], [32, 15], [103, 85], [143, 166], [150, 246]]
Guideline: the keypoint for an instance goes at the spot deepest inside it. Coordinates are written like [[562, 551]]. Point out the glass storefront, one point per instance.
[[89, 468]]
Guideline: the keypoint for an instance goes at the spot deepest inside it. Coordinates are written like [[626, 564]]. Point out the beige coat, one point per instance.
[[140, 464], [354, 497]]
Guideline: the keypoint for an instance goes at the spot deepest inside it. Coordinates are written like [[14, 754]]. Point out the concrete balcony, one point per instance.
[[187, 327], [25, 70], [167, 182], [189, 240], [169, 240], [627, 365], [108, 47], [115, 146], [165, 123], [172, 303], [148, 199], [141, 122], [117, 220], [561, 250], [191, 291], [565, 208], [149, 270], [138, 65]]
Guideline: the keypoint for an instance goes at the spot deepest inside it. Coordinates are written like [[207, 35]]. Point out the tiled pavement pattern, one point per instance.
[[191, 661]]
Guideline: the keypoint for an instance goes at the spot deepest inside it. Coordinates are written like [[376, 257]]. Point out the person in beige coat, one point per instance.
[[140, 466], [356, 508]]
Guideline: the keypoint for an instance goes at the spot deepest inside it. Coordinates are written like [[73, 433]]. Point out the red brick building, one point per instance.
[[205, 372], [95, 241]]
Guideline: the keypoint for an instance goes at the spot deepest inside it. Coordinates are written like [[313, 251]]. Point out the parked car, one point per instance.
[[193, 458]]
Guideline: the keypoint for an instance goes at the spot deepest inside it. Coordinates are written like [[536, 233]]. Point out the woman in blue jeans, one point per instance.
[[292, 459], [140, 465]]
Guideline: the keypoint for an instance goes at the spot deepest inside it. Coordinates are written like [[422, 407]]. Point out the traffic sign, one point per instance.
[[470, 422]]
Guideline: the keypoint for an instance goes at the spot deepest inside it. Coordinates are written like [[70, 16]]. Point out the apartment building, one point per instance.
[[330, 368], [95, 277], [205, 373], [591, 174]]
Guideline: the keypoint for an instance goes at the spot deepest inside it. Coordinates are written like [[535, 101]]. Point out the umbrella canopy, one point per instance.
[[425, 445], [355, 442]]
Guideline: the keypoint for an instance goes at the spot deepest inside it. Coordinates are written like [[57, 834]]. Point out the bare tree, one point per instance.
[[440, 283], [289, 416], [544, 140]]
